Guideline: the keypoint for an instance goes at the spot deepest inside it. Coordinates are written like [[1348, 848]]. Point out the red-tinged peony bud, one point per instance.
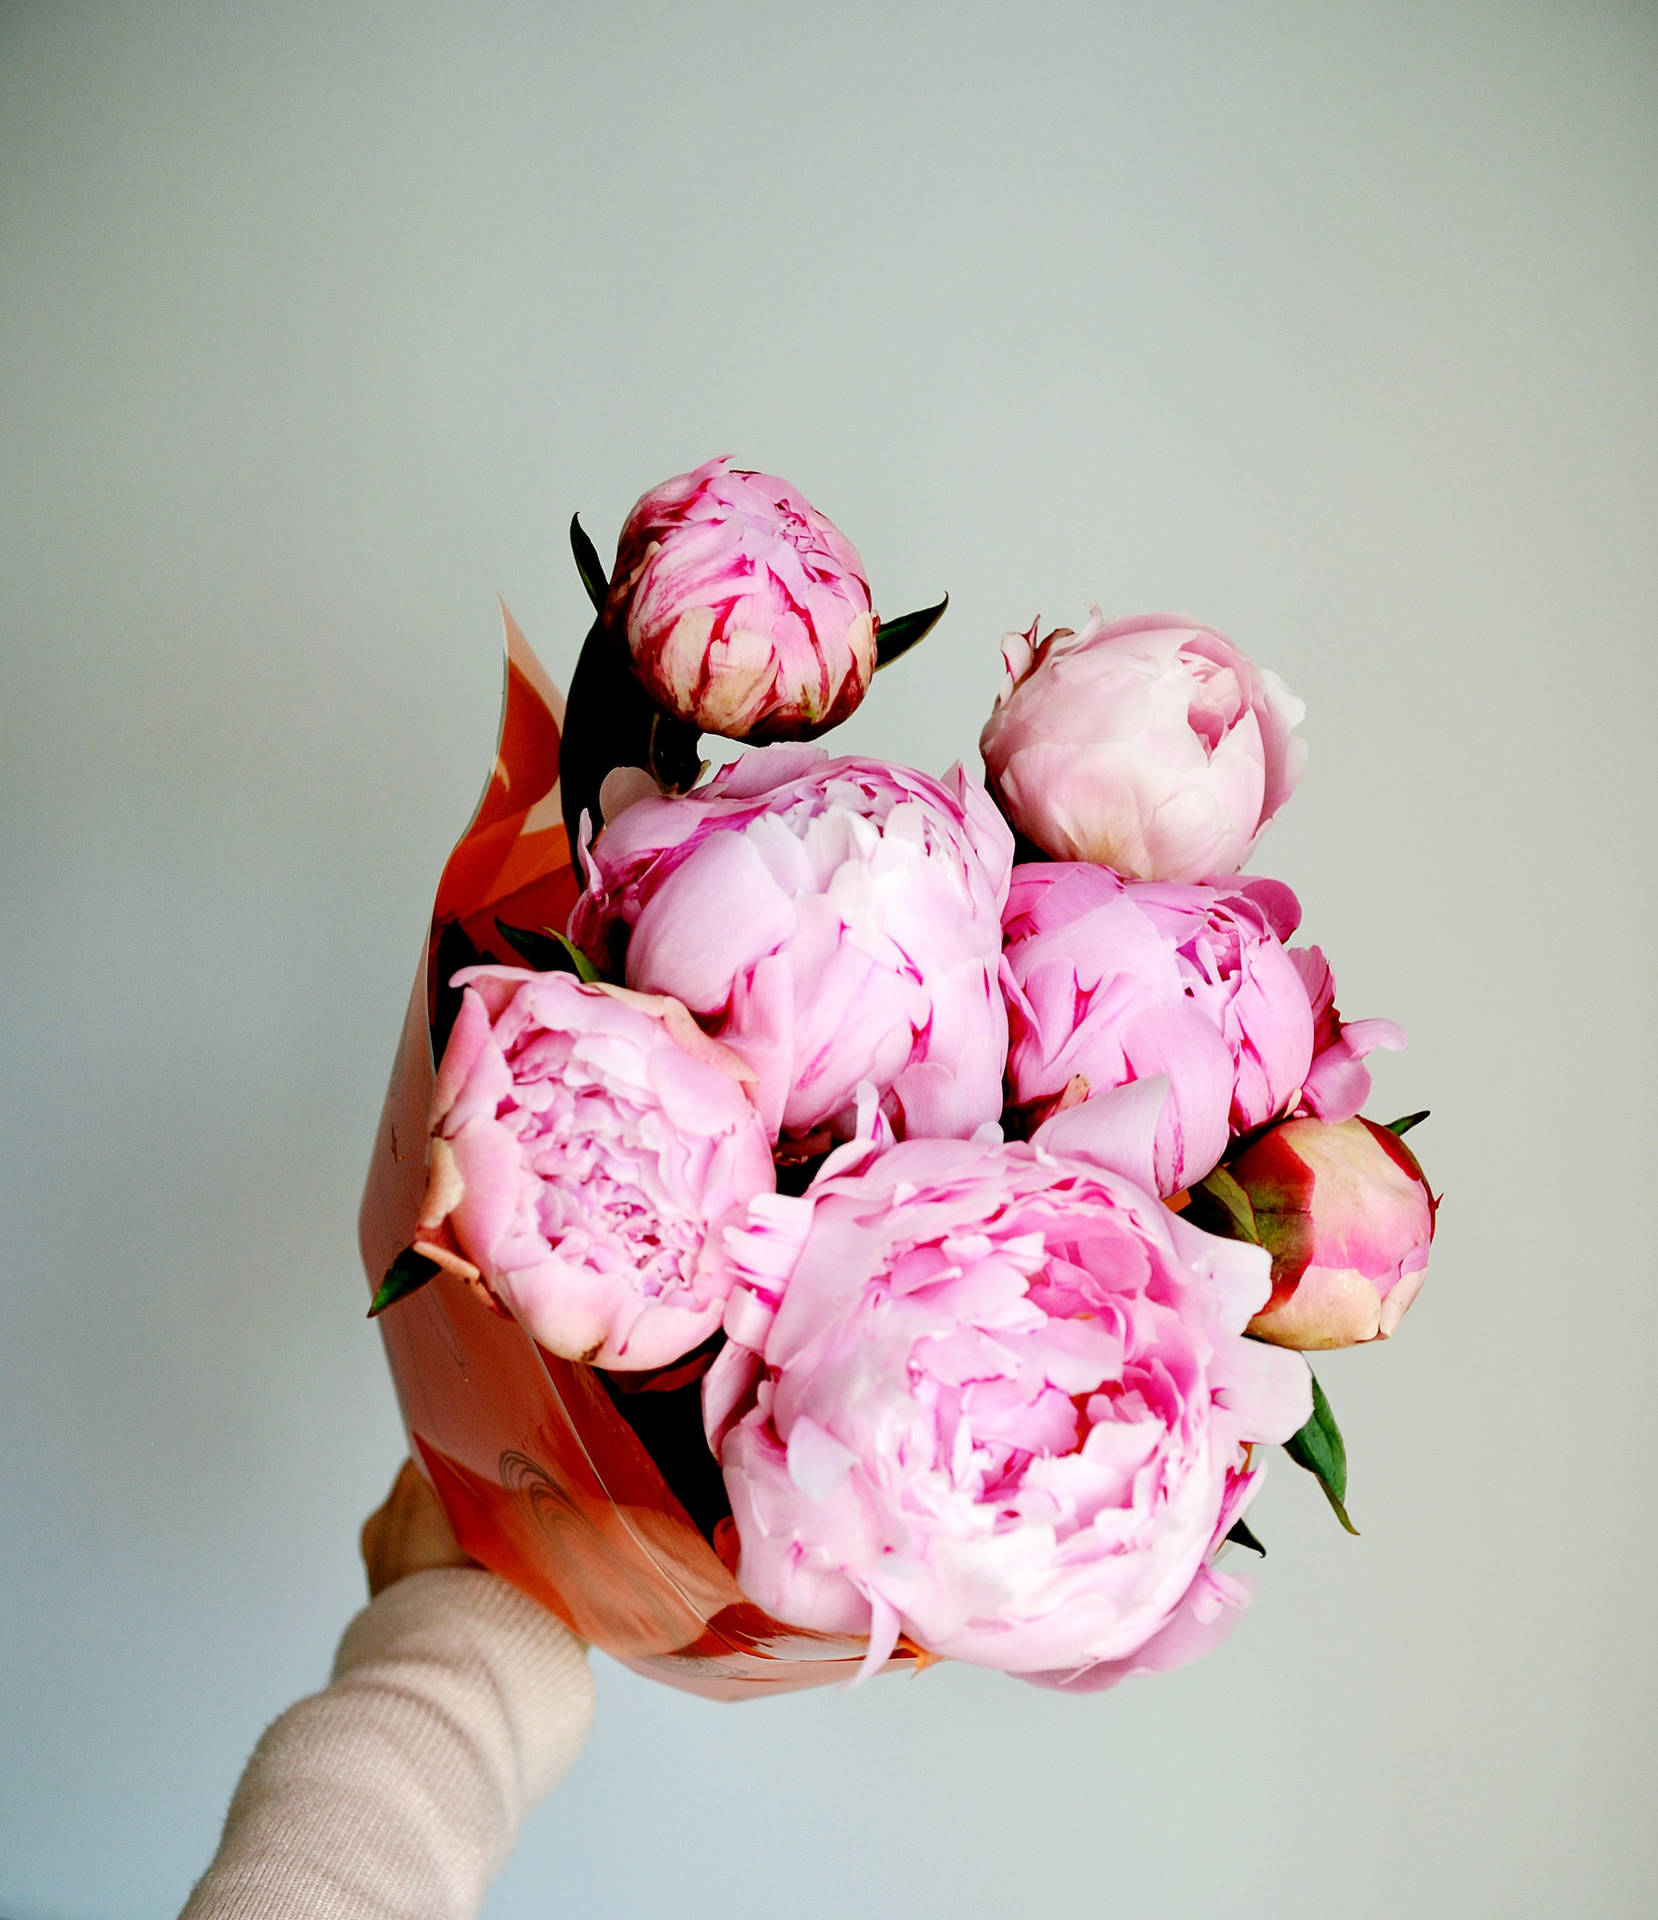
[[1347, 1216], [745, 610]]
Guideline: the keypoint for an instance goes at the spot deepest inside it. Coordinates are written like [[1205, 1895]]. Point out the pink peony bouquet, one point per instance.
[[829, 1216]]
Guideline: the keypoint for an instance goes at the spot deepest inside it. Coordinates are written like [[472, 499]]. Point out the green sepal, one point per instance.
[[407, 1274], [1241, 1536], [896, 637], [549, 952], [588, 564], [1320, 1449], [1237, 1214], [1406, 1121]]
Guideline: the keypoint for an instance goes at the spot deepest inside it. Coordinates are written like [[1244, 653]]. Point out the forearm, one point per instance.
[[397, 1793]]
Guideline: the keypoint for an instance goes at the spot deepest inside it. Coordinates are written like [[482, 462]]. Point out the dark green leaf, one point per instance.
[[1319, 1448], [898, 636], [549, 952], [407, 1274], [452, 952], [673, 759], [1237, 1216], [1242, 1537], [1406, 1121], [609, 722], [587, 564]]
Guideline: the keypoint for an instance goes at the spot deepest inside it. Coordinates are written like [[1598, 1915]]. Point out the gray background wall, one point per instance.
[[1333, 325]]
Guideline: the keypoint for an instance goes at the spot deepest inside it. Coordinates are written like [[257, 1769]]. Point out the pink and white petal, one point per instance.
[[1206, 1614]]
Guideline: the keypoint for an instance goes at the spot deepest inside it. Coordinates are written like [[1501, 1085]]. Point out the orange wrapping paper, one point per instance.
[[542, 1478]]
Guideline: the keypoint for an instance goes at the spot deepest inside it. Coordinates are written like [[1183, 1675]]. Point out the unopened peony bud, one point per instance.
[[745, 610], [1150, 745], [1346, 1214]]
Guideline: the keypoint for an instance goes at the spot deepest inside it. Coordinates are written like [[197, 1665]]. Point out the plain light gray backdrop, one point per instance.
[[1332, 325]]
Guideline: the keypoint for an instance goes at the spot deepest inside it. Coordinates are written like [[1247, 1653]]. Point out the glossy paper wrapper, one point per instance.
[[542, 1477]]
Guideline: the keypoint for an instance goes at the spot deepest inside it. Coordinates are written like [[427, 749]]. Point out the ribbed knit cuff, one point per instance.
[[397, 1793], [464, 1620]]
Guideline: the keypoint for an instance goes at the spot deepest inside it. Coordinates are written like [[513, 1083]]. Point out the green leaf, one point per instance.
[[549, 952], [1406, 1121], [610, 721], [587, 564], [1233, 1202], [1242, 1537], [407, 1274], [896, 637], [1320, 1449], [673, 759]]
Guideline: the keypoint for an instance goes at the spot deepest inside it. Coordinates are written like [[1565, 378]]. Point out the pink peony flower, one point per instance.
[[1338, 1083], [834, 921], [1150, 744], [745, 610], [587, 1144], [1111, 981], [998, 1399], [1347, 1216]]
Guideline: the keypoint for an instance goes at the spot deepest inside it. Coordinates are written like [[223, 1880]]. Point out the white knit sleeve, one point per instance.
[[397, 1793]]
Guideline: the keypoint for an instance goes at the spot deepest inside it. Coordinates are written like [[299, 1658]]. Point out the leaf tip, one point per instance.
[[407, 1274]]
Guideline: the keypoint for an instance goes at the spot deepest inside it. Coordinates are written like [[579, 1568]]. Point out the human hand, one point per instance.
[[410, 1533]]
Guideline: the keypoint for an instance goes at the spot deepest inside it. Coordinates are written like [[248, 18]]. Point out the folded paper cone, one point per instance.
[[543, 1477]]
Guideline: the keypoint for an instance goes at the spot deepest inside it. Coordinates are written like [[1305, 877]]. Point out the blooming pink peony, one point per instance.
[[1338, 1083], [1111, 981], [745, 610], [1348, 1219], [1149, 744], [834, 921], [587, 1145], [998, 1399]]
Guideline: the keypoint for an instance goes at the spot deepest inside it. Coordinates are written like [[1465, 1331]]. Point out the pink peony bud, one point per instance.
[[997, 1399], [835, 921], [747, 613], [1110, 981], [1150, 745], [1346, 1214], [587, 1145]]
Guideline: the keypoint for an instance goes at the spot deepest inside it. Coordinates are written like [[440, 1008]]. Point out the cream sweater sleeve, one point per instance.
[[397, 1793]]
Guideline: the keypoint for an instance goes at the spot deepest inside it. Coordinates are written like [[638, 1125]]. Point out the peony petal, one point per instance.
[[1115, 1129], [1206, 1615]]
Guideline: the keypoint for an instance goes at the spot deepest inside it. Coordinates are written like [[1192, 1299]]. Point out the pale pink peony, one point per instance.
[[998, 1399], [1110, 981], [1338, 1082], [835, 921], [1150, 744], [746, 611], [1346, 1214], [587, 1145]]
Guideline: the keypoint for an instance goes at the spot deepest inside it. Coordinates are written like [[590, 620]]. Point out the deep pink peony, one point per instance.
[[835, 921], [587, 1145], [1149, 744], [997, 1399], [746, 611], [1338, 1082], [1347, 1216], [1110, 981]]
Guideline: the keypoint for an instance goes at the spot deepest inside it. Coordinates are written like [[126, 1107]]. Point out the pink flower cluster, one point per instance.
[[983, 1384]]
